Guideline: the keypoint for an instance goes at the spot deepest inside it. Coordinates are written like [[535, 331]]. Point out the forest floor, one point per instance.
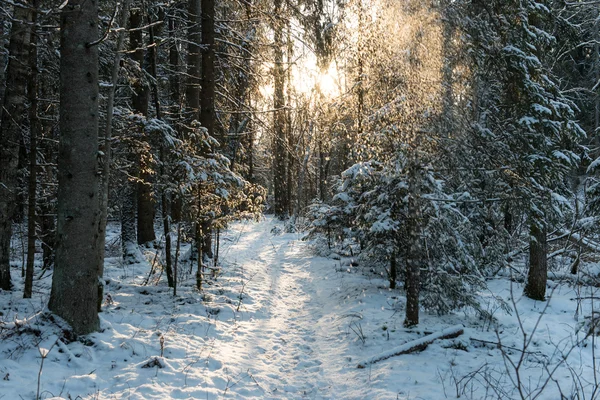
[[279, 322]]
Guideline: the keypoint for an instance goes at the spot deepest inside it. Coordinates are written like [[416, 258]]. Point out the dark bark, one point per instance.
[[34, 133], [3, 58], [128, 226], [200, 269], [165, 198], [447, 73], [538, 263], [174, 86], [11, 132], [413, 259], [192, 89], [74, 295], [139, 102], [279, 137], [207, 103], [107, 150], [240, 134], [176, 263], [393, 271], [139, 99], [47, 237]]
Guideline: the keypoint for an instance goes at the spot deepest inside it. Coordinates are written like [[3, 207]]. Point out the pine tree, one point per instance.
[[74, 295]]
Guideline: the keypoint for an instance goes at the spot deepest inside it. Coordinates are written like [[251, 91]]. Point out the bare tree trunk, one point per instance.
[[393, 271], [538, 263], [11, 132], [34, 133], [597, 75], [192, 88], [207, 103], [104, 188], [140, 100], [129, 242], [360, 81], [164, 195], [279, 138], [48, 152], [174, 86], [74, 295], [413, 259], [3, 59], [128, 225], [200, 269], [301, 178], [447, 74]]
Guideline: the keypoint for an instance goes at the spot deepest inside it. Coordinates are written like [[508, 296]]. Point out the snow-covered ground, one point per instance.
[[279, 322]]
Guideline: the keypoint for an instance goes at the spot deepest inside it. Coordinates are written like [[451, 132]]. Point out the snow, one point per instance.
[[279, 322], [593, 165]]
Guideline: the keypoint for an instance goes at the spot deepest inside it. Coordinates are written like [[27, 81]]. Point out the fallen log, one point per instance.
[[415, 345]]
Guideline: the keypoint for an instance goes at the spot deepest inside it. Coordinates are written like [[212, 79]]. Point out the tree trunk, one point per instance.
[[279, 137], [34, 133], [413, 259], [128, 231], [164, 195], [393, 271], [538, 263], [107, 149], [207, 103], [11, 132], [74, 295], [192, 89], [3, 57], [140, 99], [447, 73], [174, 86]]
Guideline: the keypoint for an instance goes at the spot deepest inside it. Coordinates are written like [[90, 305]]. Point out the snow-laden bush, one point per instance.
[[372, 204]]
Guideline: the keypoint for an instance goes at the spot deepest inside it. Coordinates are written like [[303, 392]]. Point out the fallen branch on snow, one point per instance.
[[415, 345]]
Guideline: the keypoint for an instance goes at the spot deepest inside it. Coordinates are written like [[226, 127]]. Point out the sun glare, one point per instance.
[[307, 77], [328, 81]]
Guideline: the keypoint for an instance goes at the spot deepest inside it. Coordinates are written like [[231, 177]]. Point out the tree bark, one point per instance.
[[413, 259], [34, 133], [129, 196], [107, 149], [140, 100], [192, 89], [279, 137], [164, 195], [74, 295], [207, 103], [538, 263], [128, 225], [393, 271], [11, 132]]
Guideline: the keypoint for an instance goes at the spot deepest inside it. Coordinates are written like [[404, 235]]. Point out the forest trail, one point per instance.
[[284, 345]]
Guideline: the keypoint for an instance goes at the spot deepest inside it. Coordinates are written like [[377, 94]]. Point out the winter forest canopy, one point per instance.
[[436, 147]]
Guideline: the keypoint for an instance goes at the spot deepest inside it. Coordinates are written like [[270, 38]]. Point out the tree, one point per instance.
[[11, 131], [34, 133], [280, 206], [524, 121], [74, 295]]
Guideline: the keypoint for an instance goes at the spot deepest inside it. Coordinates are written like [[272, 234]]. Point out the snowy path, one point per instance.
[[282, 346]]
